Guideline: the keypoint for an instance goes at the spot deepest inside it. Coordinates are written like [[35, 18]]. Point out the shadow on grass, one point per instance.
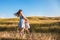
[[47, 30], [37, 27], [46, 24], [11, 39], [8, 28]]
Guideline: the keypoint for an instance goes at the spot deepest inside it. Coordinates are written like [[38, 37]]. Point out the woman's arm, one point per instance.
[[24, 17]]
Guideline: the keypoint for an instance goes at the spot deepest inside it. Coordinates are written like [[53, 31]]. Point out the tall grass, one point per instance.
[[37, 25]]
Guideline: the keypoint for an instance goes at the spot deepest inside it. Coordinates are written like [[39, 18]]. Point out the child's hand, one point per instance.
[[27, 20]]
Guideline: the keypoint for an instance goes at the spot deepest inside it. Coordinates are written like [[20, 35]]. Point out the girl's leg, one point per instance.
[[29, 34], [27, 30]]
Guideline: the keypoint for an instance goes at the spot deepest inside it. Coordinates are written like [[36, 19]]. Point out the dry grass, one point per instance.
[[34, 36], [42, 28]]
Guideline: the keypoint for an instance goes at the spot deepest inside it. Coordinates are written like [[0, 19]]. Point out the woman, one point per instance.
[[23, 23]]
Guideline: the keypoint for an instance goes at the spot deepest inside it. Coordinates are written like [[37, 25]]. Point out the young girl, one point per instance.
[[27, 26], [23, 23]]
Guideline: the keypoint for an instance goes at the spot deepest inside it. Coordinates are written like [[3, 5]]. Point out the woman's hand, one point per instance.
[[26, 20]]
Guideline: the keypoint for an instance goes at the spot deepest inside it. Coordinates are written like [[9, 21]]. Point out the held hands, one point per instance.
[[26, 20]]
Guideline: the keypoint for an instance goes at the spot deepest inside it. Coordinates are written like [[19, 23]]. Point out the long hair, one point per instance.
[[17, 14]]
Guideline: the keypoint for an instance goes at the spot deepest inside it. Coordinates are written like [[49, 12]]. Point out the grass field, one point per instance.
[[47, 27]]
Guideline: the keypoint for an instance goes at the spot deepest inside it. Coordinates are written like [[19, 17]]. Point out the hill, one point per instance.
[[42, 28], [36, 23], [33, 19]]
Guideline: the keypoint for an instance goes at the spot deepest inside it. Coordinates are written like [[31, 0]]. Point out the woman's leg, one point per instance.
[[22, 32]]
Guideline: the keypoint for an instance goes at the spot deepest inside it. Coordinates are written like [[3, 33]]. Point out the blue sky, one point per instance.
[[29, 7]]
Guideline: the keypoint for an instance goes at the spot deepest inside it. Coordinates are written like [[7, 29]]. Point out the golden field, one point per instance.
[[42, 28]]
